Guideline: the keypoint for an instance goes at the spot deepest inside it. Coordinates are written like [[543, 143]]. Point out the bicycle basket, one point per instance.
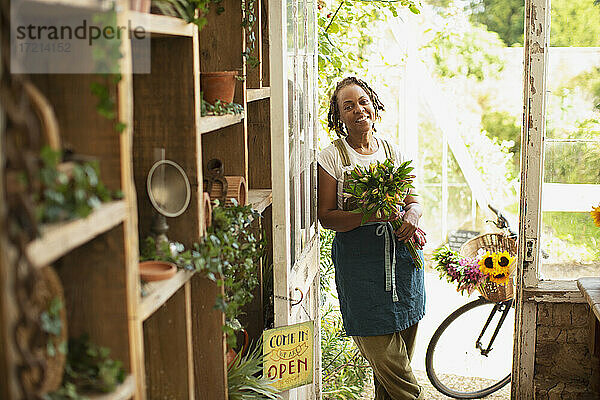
[[493, 242]]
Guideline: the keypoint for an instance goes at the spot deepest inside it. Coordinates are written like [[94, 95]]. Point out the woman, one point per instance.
[[381, 316]]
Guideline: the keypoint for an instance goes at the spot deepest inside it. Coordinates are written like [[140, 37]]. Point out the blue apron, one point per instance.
[[379, 289]]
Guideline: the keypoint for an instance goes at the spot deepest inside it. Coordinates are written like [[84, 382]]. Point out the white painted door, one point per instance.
[[293, 66]]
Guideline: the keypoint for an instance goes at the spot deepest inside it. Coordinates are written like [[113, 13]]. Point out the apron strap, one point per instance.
[[343, 152], [389, 154]]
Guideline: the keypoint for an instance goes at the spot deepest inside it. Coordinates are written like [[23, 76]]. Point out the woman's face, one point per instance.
[[356, 110]]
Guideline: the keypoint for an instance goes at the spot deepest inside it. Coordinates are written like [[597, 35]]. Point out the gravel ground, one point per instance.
[[432, 394]]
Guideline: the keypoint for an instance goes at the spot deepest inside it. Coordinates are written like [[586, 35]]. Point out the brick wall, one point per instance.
[[564, 365]]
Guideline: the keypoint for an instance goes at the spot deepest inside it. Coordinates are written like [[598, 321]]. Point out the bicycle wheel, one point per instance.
[[460, 361]]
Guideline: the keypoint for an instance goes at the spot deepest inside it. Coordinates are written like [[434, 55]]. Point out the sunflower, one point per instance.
[[595, 213], [487, 262], [499, 275], [505, 260]]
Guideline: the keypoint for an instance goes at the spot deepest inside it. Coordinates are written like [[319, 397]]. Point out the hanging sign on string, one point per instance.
[[289, 355]]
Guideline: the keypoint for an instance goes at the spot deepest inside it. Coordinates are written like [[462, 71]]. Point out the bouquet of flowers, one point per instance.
[[378, 190], [469, 273]]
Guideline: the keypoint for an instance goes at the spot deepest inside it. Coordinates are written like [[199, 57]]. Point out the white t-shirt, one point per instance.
[[330, 160]]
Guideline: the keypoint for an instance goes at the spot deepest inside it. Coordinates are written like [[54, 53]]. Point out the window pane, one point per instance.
[[569, 240]]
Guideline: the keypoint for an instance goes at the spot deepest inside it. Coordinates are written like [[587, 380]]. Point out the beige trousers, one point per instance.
[[390, 356]]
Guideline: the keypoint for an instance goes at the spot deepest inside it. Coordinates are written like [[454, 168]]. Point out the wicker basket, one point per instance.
[[496, 243]]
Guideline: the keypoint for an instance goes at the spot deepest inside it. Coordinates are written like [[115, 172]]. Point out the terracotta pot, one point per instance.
[[218, 85], [157, 270], [231, 354]]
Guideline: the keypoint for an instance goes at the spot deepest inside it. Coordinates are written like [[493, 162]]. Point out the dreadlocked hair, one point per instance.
[[334, 121]]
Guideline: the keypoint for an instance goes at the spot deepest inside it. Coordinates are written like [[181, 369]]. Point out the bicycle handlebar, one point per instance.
[[502, 222]]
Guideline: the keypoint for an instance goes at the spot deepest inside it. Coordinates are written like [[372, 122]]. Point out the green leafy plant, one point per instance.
[[245, 380], [89, 369], [186, 9], [51, 323], [220, 108], [378, 190], [228, 254], [69, 195]]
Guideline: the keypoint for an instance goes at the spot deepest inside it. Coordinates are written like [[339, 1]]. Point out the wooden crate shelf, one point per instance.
[[258, 94], [213, 123], [124, 391], [60, 238], [160, 291], [170, 340], [260, 199], [161, 25]]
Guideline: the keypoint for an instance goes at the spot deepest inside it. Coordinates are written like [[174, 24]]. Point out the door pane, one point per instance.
[[569, 240]]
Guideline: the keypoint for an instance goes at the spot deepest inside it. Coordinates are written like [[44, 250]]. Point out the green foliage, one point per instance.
[[379, 189], [345, 36], [51, 323], [186, 9], [88, 369], [345, 372], [220, 108], [244, 377], [472, 52], [573, 23], [504, 127], [505, 17], [580, 238], [106, 55], [228, 254], [66, 196]]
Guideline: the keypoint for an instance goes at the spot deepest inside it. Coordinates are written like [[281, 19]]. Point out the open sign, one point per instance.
[[289, 355]]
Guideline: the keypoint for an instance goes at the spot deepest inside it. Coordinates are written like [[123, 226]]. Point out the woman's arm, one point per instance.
[[329, 216], [410, 221]]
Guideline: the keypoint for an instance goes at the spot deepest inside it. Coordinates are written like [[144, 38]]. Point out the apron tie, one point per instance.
[[387, 230]]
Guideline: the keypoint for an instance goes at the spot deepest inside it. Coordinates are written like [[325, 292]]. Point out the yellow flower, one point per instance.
[[595, 213], [487, 263], [505, 260], [499, 276]]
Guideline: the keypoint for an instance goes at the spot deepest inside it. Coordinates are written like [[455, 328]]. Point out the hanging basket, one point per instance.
[[494, 243]]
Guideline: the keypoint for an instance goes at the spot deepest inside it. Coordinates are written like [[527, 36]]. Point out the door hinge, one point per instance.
[[530, 249]]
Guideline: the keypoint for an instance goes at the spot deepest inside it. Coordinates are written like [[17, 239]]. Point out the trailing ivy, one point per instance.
[[69, 195], [229, 254], [51, 323], [220, 108], [89, 369]]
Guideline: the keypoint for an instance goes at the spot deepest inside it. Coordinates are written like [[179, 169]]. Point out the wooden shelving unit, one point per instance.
[[213, 123], [170, 340], [124, 391], [58, 239]]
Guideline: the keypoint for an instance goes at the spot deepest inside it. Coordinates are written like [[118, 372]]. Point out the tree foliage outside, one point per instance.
[[574, 23]]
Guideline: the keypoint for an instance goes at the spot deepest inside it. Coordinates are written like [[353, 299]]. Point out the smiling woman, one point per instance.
[[381, 292]]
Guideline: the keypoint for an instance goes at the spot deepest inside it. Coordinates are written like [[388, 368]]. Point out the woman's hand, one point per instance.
[[389, 218], [410, 223]]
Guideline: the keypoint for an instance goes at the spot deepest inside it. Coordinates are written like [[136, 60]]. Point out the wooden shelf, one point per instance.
[[258, 94], [55, 8], [160, 291], [161, 25], [60, 238], [590, 287], [212, 123], [124, 391], [260, 199]]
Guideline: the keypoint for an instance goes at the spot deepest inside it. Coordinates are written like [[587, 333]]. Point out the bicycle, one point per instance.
[[457, 352]]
